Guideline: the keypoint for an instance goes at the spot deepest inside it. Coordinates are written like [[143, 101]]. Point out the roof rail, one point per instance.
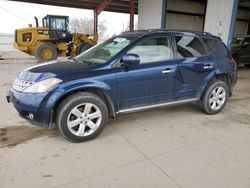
[[175, 31], [181, 31], [194, 32], [139, 30]]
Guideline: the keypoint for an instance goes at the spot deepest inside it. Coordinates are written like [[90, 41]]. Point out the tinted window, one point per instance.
[[154, 50], [210, 42], [188, 46]]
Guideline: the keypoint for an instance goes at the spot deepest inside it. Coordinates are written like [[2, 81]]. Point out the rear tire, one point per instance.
[[81, 117], [215, 97], [83, 48], [46, 52]]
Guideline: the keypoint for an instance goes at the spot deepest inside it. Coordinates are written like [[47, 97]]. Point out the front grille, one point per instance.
[[21, 85]]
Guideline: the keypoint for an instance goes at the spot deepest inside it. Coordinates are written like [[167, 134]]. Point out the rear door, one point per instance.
[[152, 81], [193, 66]]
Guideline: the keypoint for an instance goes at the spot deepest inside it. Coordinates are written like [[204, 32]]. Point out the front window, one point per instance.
[[153, 50], [57, 24], [103, 52]]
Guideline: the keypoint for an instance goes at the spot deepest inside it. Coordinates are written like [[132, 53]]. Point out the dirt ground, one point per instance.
[[169, 147]]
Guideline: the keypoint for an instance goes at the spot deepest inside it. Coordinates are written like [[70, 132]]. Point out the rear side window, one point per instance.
[[210, 42], [189, 46]]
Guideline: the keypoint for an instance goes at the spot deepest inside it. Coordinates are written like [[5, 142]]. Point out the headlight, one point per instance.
[[42, 86]]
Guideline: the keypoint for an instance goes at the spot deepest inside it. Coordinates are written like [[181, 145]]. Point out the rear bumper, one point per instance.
[[232, 82], [37, 108]]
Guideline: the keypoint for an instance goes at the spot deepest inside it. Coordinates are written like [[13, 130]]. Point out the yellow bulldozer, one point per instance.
[[53, 39]]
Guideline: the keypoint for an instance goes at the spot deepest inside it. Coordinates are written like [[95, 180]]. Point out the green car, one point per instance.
[[241, 50]]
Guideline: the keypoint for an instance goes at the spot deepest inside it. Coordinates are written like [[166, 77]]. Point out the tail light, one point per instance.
[[233, 61]]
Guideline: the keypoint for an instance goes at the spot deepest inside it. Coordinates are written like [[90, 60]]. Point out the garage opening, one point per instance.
[[242, 26], [241, 41], [186, 14]]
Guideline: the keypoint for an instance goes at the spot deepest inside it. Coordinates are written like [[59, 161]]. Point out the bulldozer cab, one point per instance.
[[58, 28]]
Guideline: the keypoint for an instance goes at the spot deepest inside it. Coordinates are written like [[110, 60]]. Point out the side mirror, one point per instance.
[[130, 60]]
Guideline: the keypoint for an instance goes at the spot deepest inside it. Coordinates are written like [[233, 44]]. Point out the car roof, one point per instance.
[[155, 31]]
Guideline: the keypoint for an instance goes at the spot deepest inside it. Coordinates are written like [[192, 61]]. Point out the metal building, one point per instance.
[[223, 18], [6, 41]]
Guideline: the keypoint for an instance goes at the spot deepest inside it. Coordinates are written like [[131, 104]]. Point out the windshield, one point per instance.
[[237, 41], [103, 52], [57, 23]]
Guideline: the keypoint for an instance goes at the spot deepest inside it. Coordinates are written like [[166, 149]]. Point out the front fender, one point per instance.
[[105, 89]]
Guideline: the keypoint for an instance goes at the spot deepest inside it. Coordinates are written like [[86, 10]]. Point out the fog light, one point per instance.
[[31, 116]]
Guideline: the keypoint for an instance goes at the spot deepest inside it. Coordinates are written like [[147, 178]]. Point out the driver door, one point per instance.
[[152, 81]]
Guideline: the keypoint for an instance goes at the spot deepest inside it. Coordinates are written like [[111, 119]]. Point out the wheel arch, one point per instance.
[[97, 91], [221, 77]]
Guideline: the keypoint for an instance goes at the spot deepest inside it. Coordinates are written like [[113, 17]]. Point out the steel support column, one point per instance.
[[232, 23], [248, 28], [132, 13], [164, 14], [103, 4]]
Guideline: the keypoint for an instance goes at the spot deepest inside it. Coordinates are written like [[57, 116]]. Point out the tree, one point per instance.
[[86, 26]]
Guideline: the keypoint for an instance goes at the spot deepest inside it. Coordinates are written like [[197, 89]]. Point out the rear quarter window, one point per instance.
[[210, 42], [189, 46]]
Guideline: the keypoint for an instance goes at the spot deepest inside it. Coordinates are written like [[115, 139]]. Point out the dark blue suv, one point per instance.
[[129, 72]]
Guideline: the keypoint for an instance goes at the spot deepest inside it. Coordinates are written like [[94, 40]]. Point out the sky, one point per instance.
[[14, 15]]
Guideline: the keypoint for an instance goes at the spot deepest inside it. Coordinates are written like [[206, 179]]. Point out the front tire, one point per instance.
[[215, 97], [81, 117], [46, 52]]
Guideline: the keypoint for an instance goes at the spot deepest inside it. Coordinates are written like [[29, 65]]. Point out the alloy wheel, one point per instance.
[[217, 98], [84, 119]]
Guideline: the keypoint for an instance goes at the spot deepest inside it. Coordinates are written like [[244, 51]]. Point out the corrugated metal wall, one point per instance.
[[6, 41], [149, 13], [182, 14], [241, 25]]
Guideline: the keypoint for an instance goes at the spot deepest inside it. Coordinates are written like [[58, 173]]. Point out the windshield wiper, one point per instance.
[[82, 61]]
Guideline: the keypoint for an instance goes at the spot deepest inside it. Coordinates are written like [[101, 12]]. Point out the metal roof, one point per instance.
[[122, 6]]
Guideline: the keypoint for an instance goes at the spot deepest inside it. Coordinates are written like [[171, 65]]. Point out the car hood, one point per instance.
[[54, 69]]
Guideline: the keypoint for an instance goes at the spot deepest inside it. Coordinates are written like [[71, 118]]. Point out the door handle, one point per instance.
[[208, 67], [167, 71]]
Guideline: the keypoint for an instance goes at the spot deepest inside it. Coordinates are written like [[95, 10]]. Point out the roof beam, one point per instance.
[[113, 6]]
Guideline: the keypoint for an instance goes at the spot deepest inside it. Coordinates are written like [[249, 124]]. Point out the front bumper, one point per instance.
[[36, 108], [19, 47]]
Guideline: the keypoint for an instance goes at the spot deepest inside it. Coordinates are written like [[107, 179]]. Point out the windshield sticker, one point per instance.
[[119, 39]]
